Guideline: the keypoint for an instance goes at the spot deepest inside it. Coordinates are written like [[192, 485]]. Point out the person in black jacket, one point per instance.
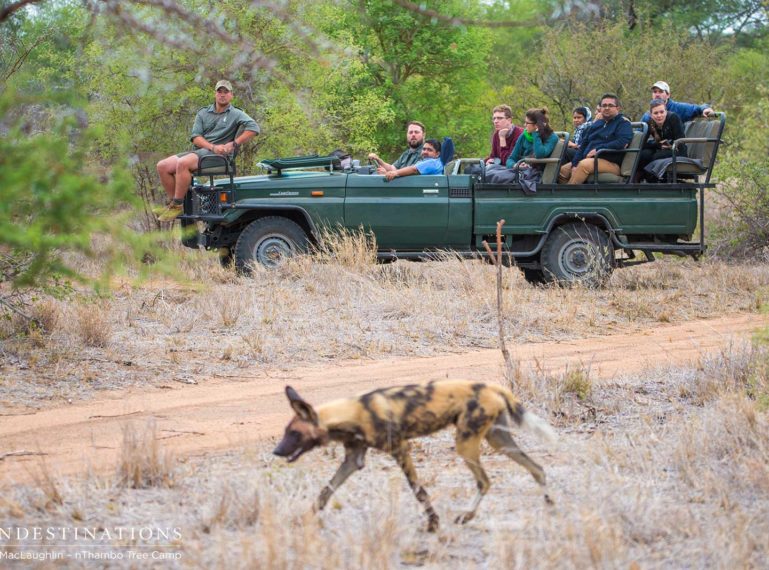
[[664, 128]]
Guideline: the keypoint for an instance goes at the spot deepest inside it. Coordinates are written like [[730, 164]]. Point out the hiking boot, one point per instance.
[[171, 212], [158, 209]]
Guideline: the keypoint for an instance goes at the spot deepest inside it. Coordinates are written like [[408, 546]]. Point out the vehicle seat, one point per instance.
[[213, 165], [702, 137], [447, 150], [553, 162]]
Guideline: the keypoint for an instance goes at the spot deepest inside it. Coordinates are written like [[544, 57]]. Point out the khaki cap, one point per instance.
[[223, 83]]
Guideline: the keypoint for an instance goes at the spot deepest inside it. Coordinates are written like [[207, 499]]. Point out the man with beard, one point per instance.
[[415, 137]]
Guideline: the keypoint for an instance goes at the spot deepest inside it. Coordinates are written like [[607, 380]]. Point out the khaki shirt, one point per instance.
[[221, 128]]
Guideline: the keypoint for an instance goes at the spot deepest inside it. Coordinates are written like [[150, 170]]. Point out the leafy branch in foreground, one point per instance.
[[54, 200]]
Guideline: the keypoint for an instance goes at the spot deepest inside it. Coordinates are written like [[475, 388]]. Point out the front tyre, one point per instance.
[[269, 242], [578, 253]]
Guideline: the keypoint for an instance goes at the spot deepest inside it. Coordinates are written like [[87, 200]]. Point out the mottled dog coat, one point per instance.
[[386, 419]]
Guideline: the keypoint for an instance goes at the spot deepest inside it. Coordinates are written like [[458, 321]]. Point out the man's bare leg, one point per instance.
[[185, 166], [167, 172]]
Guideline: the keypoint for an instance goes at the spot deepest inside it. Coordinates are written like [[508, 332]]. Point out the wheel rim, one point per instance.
[[273, 250], [578, 258]]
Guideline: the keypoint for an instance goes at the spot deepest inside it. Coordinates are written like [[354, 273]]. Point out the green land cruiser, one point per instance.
[[560, 233]]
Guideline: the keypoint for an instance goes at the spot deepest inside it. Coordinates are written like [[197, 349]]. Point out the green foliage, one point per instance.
[[580, 64], [98, 98], [420, 68], [54, 199], [742, 229]]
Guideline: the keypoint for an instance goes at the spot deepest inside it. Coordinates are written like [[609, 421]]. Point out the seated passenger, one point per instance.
[[580, 118], [505, 135], [537, 141], [685, 111], [664, 128], [612, 131], [430, 163]]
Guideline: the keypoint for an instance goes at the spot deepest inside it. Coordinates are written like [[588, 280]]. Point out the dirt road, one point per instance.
[[221, 413]]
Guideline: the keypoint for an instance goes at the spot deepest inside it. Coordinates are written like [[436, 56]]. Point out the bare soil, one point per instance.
[[220, 413]]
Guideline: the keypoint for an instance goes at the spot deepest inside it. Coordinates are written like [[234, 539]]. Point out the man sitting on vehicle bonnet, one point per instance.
[[214, 133]]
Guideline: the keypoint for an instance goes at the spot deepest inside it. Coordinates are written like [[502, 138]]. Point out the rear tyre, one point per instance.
[[578, 253], [269, 242]]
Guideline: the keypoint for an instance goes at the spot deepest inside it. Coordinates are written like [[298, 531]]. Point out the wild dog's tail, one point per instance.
[[529, 420], [539, 426]]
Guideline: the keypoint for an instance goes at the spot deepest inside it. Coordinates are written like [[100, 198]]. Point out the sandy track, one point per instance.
[[223, 413]]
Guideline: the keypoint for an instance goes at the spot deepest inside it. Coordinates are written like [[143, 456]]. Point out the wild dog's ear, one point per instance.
[[302, 408]]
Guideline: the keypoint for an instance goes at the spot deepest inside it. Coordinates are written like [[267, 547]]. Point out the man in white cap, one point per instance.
[[215, 132], [686, 111]]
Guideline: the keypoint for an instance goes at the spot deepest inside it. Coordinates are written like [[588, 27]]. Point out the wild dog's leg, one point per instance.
[[353, 460], [469, 448], [401, 455], [500, 439]]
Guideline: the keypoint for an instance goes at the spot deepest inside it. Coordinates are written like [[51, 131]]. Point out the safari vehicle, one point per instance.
[[560, 233]]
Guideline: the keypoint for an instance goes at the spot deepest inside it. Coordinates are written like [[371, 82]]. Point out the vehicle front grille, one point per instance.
[[205, 201]]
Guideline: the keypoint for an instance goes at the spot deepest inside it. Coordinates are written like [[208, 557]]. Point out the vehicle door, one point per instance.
[[410, 212]]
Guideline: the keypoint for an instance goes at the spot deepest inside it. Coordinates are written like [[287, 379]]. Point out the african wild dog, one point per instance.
[[386, 419]]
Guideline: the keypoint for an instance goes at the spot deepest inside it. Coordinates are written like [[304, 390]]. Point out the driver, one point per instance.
[[415, 137]]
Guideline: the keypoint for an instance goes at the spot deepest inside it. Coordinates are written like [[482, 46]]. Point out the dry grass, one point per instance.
[[93, 323], [143, 461], [658, 478], [339, 304]]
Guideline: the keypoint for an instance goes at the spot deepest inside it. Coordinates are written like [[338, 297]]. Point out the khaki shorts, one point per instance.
[[201, 152]]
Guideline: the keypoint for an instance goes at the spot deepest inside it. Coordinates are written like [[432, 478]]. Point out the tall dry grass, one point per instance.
[[657, 478], [143, 462]]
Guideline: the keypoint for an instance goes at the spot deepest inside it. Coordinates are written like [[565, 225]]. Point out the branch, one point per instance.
[[457, 21], [10, 9], [18, 311], [497, 261]]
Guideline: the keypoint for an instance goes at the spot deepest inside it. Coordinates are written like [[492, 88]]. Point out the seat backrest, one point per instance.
[[447, 150], [448, 167], [629, 162], [550, 174], [708, 129], [215, 164]]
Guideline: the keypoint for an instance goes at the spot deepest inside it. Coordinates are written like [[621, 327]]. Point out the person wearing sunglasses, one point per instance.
[[612, 131]]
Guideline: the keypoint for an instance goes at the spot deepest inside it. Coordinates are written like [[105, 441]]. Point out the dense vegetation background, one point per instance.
[[95, 92]]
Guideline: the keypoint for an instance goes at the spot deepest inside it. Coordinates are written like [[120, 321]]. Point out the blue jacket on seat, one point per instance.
[[616, 134]]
